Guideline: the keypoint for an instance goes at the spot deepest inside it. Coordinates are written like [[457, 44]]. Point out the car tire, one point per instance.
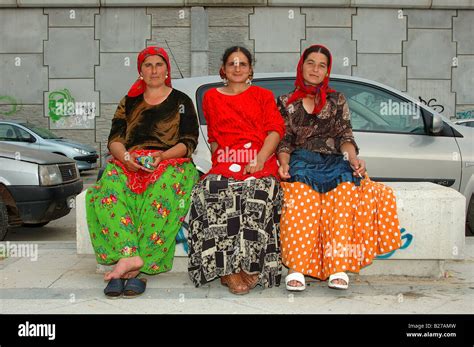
[[3, 220], [470, 218], [35, 225]]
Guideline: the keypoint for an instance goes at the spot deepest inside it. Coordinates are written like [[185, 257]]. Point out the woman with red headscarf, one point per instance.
[[135, 211], [334, 219]]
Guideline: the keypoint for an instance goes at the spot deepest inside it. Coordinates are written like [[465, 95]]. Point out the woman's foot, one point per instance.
[[338, 280], [294, 283], [235, 284], [131, 274], [123, 267], [250, 280]]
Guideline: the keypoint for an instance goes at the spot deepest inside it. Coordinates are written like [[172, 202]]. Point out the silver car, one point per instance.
[[401, 139], [466, 122], [30, 136], [36, 187]]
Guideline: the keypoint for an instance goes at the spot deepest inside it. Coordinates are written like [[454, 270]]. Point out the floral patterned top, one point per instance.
[[323, 133]]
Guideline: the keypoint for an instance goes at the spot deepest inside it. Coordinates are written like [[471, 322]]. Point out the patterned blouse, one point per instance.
[[323, 133], [138, 125]]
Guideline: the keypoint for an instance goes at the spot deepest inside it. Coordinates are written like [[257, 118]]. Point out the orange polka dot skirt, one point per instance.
[[342, 230]]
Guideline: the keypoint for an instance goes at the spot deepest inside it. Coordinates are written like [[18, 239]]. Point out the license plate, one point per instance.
[[94, 165]]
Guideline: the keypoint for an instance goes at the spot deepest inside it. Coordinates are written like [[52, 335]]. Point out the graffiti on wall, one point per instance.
[[407, 239], [433, 103], [11, 104], [465, 114], [61, 104]]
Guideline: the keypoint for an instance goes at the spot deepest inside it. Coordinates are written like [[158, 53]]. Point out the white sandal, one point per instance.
[[295, 276], [338, 276]]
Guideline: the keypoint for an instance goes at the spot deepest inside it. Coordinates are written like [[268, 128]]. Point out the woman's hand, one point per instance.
[[358, 165], [254, 166], [284, 171], [158, 158], [129, 160]]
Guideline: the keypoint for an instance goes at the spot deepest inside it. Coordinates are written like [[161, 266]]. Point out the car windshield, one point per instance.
[[44, 133]]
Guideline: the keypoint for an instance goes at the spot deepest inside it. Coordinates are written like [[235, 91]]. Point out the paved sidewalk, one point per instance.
[[60, 281]]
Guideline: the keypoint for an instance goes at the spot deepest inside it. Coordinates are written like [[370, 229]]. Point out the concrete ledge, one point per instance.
[[58, 3], [415, 268], [432, 219], [401, 4]]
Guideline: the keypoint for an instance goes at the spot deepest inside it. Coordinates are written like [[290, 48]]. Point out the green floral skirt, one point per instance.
[[125, 224]]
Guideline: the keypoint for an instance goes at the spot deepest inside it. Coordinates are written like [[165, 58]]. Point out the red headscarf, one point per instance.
[[139, 86], [303, 89]]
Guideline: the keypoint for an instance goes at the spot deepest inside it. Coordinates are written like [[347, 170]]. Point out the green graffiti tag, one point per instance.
[[10, 101], [60, 104]]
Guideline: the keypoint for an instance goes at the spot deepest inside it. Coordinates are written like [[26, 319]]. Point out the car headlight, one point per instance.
[[50, 175], [80, 151]]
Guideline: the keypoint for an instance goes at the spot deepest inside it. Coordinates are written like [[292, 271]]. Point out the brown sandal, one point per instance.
[[235, 284], [250, 280]]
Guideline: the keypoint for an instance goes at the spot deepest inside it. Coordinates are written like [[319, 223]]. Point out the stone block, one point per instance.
[[71, 52], [463, 76], [228, 16], [199, 32], [177, 43], [122, 29], [277, 29], [379, 30], [170, 17], [455, 4], [26, 113], [71, 104], [115, 75], [328, 17], [392, 4], [463, 32], [316, 3], [71, 17], [23, 30], [23, 77], [374, 67], [276, 62], [338, 41], [424, 58], [429, 19], [140, 3]]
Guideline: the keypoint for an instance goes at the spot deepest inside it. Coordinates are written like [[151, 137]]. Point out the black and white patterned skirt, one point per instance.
[[235, 225]]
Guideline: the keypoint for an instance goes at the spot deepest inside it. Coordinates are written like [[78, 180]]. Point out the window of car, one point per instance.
[[377, 110], [23, 135], [7, 133], [372, 109]]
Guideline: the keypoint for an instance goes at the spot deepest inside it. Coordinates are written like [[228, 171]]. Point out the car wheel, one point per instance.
[[470, 218], [3, 220], [35, 225]]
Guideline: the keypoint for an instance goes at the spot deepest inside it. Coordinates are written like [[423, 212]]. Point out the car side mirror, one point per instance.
[[437, 124], [31, 139]]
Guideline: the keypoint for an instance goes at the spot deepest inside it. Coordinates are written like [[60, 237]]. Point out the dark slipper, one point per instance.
[[134, 287], [114, 289]]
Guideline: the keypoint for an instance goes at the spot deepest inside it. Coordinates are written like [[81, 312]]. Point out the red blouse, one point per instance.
[[239, 124]]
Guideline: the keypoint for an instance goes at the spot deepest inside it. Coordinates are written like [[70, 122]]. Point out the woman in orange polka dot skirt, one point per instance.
[[334, 218]]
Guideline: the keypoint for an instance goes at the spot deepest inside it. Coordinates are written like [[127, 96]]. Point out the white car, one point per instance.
[[401, 139]]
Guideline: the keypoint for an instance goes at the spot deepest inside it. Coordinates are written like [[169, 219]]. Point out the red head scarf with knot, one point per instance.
[[139, 86], [319, 92]]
